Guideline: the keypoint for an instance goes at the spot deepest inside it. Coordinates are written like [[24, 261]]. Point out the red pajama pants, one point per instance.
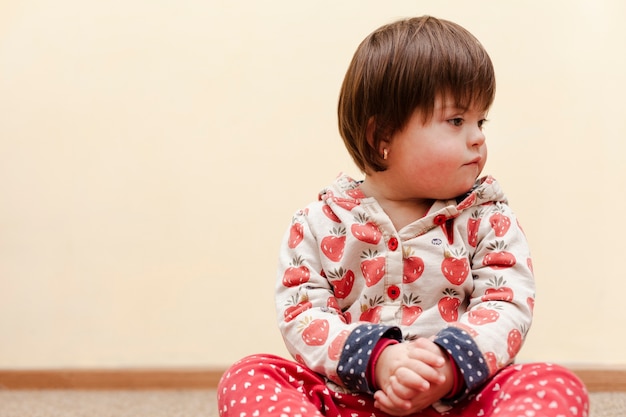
[[266, 385]]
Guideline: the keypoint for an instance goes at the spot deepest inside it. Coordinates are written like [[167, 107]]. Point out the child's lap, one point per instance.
[[264, 385]]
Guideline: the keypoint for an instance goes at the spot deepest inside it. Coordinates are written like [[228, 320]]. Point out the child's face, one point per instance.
[[442, 158]]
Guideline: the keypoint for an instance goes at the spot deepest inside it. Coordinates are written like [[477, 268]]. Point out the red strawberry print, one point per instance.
[[347, 317], [470, 330], [473, 223], [345, 203], [498, 258], [483, 315], [529, 262], [336, 346], [333, 304], [332, 246], [492, 362], [296, 234], [296, 274], [372, 267], [316, 332], [371, 314], [413, 267], [410, 314], [449, 305], [455, 266], [410, 311], [365, 231], [531, 303], [330, 213], [514, 342], [467, 202], [297, 307], [325, 193], [342, 281], [498, 291], [370, 311], [356, 193], [500, 223]]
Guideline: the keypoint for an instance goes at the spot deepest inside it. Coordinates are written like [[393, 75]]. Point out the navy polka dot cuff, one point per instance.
[[468, 358], [355, 357]]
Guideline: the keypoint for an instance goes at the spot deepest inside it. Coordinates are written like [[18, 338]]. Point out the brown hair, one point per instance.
[[404, 66]]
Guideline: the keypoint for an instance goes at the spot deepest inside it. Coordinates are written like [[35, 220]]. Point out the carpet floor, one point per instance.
[[170, 403]]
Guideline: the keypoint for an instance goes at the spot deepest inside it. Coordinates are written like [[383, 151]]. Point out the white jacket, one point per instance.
[[347, 277]]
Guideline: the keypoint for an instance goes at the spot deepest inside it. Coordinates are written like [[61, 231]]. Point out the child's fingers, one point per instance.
[[420, 369], [426, 343], [390, 403], [426, 351], [431, 358], [416, 379], [405, 389]]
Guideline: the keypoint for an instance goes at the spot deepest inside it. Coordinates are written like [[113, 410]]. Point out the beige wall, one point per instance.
[[152, 152]]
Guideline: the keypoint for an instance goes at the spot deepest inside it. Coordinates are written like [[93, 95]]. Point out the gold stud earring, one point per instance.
[[385, 153]]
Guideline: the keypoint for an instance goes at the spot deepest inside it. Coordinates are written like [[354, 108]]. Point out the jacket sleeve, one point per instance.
[[490, 333], [314, 329]]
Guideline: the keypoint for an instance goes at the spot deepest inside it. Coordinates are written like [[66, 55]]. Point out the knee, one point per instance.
[[560, 375], [555, 377], [248, 365], [551, 388]]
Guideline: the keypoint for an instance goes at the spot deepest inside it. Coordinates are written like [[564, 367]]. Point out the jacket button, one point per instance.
[[392, 244], [393, 292], [440, 219]]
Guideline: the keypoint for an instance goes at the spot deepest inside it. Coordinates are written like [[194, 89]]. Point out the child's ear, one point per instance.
[[382, 144]]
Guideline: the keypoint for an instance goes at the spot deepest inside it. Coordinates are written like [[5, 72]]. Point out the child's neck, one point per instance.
[[401, 211]]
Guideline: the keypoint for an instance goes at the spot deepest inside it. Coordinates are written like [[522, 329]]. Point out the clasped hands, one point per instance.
[[412, 376]]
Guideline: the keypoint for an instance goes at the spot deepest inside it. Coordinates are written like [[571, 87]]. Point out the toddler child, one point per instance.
[[409, 292]]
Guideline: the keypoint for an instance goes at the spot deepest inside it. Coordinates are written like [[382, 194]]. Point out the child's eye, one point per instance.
[[457, 121], [481, 123]]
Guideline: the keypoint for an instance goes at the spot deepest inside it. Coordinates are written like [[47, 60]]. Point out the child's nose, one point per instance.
[[477, 137]]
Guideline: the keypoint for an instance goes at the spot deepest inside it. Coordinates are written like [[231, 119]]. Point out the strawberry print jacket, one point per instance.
[[347, 279]]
